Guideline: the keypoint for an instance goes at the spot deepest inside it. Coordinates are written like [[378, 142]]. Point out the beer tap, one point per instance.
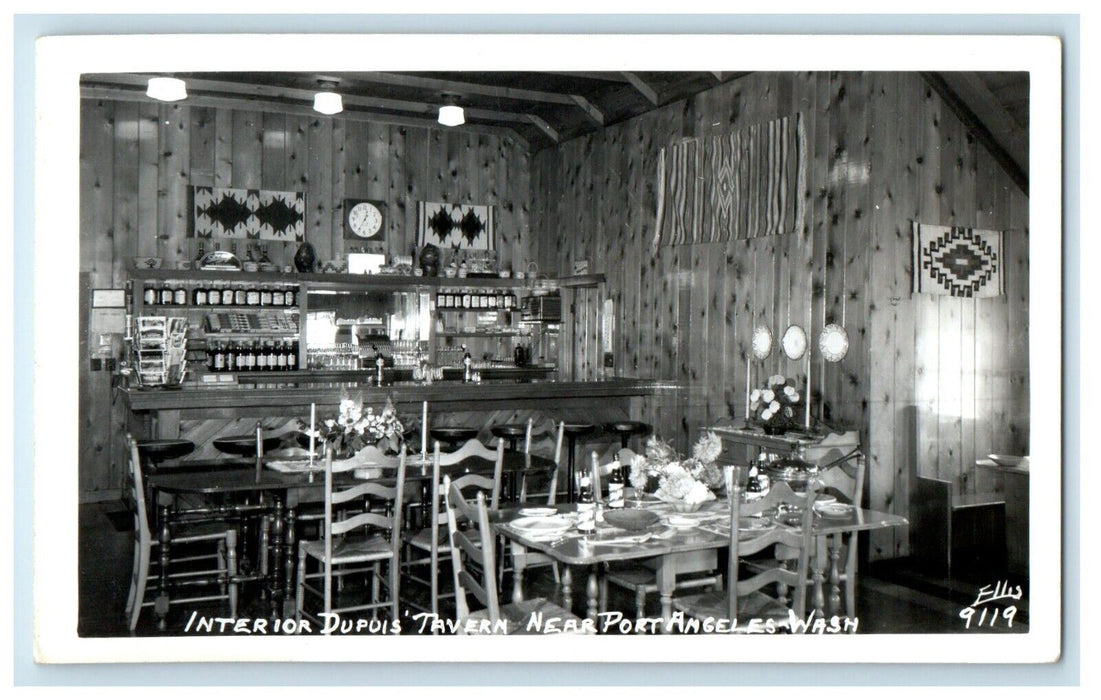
[[378, 363], [467, 362]]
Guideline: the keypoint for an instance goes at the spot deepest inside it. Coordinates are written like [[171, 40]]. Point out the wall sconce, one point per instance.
[[326, 101], [451, 114], [166, 89]]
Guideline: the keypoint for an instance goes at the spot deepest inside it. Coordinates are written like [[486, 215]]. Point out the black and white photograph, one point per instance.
[[664, 339]]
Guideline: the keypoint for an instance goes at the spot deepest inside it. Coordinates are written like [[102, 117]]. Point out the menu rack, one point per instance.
[[161, 348]]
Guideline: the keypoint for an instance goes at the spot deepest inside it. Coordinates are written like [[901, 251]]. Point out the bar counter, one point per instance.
[[199, 412]]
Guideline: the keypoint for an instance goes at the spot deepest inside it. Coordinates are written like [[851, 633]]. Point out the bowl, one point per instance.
[[682, 507], [631, 518], [146, 263]]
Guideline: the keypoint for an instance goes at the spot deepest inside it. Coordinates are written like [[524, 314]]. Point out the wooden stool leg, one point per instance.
[[231, 570], [300, 589]]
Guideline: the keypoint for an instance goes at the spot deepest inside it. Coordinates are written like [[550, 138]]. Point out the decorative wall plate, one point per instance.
[[794, 342], [762, 342], [834, 343]]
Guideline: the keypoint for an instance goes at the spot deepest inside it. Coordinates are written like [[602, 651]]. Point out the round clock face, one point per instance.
[[365, 219]]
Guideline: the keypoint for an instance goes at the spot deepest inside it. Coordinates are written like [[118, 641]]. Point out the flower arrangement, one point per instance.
[[686, 482], [773, 404], [354, 428]]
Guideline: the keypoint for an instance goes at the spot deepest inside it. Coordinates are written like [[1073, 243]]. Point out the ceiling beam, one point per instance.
[[544, 127], [124, 94], [455, 86], [972, 122], [988, 108], [642, 86], [249, 91]]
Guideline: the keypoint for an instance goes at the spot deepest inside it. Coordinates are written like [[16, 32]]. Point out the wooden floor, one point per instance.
[[891, 598]]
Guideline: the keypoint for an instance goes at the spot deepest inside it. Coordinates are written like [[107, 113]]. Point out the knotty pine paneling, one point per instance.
[[139, 159], [930, 382]]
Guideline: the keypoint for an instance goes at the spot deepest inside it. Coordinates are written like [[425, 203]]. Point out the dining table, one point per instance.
[[233, 490], [705, 529]]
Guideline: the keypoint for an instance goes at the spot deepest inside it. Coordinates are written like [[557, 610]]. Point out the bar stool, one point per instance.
[[575, 432], [153, 452], [626, 429], [453, 437], [244, 445], [511, 432]]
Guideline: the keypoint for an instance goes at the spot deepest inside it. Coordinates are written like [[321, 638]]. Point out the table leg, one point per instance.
[[593, 591], [519, 559], [288, 564], [567, 589], [160, 606], [835, 574], [666, 576], [819, 595]]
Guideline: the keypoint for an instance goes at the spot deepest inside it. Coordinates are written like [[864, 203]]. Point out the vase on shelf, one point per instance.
[[305, 260], [774, 429]]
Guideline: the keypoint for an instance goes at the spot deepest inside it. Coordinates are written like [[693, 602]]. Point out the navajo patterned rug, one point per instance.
[[957, 261], [742, 184]]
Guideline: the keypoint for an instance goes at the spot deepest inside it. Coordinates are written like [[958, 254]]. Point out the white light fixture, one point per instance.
[[451, 114], [328, 103], [167, 89]]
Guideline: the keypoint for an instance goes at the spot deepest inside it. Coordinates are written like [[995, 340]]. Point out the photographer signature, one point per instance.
[[984, 606]]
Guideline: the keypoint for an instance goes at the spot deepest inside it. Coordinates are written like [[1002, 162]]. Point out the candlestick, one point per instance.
[[807, 397], [313, 421], [747, 390], [424, 431]]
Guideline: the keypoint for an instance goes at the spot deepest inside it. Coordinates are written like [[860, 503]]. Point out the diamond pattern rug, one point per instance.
[[958, 262]]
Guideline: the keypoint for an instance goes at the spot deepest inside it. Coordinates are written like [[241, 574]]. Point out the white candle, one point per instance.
[[424, 430], [807, 397], [747, 389], [313, 420]]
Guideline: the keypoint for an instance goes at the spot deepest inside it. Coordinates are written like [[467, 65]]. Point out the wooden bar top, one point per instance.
[[306, 391]]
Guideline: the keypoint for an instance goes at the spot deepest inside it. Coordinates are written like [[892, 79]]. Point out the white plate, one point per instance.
[[834, 510], [540, 525], [538, 512], [682, 521], [750, 524]]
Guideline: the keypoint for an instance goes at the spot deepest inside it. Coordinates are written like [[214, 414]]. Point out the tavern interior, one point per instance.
[[570, 163]]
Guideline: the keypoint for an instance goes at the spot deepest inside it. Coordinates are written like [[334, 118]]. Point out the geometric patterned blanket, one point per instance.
[[735, 185], [267, 215], [957, 261]]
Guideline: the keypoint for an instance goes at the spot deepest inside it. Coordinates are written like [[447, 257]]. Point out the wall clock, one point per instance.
[[364, 220]]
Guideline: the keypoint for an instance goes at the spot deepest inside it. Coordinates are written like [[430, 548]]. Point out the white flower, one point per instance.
[[795, 397], [789, 390], [768, 395], [708, 447], [776, 379], [774, 406], [766, 414], [756, 395]]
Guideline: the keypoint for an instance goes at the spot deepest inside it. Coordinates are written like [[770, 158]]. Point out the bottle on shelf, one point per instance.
[[261, 356], [168, 293], [199, 294], [265, 295], [240, 296], [179, 294], [292, 356], [252, 295], [214, 295], [227, 295], [290, 296], [149, 294], [229, 361]]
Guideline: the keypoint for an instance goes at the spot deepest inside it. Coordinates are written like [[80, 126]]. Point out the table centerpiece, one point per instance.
[[684, 483], [355, 428]]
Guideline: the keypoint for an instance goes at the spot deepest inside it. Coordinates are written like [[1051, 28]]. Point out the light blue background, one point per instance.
[[28, 27]]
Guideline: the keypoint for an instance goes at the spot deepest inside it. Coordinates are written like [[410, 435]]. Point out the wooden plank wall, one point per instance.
[[882, 151], [138, 160]]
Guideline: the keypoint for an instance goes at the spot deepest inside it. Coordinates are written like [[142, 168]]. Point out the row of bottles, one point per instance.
[[171, 293], [467, 299], [252, 355]]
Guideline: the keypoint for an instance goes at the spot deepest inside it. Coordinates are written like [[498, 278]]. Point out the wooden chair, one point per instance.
[[432, 540], [182, 534], [472, 564], [379, 543], [843, 478], [695, 570], [745, 599]]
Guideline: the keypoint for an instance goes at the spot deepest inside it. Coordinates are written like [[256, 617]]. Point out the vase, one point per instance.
[[774, 429], [430, 260], [305, 260]]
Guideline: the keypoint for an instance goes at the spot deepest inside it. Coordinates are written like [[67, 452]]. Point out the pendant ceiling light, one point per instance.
[[166, 89], [326, 101], [451, 114]]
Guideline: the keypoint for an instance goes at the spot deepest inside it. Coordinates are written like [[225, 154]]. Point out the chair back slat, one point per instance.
[[137, 483], [375, 520], [552, 497], [367, 488], [369, 456], [470, 448], [780, 494], [473, 546]]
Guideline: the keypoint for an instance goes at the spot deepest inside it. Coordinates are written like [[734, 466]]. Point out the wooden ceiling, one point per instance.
[[542, 109]]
